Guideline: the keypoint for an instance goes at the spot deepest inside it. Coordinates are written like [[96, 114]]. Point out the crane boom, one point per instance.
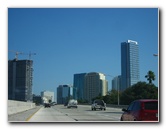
[[16, 54], [30, 54]]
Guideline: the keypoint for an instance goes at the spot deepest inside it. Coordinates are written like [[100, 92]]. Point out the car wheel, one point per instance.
[[121, 119]]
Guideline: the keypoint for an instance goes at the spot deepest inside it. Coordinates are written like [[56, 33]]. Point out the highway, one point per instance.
[[83, 113]]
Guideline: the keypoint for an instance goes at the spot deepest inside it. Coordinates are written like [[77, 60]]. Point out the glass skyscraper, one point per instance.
[[129, 64], [78, 86], [63, 94]]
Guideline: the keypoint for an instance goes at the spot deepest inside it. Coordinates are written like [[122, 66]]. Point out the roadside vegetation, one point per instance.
[[140, 90]]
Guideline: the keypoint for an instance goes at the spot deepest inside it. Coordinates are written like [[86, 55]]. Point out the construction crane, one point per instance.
[[16, 54], [30, 54]]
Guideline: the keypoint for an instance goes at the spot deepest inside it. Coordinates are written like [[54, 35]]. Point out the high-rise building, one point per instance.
[[95, 85], [20, 75], [116, 83], [78, 86], [63, 94], [129, 63]]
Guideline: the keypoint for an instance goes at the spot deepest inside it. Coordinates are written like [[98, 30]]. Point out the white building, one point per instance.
[[95, 85], [47, 96]]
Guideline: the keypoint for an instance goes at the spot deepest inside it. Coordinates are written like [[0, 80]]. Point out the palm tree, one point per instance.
[[150, 77]]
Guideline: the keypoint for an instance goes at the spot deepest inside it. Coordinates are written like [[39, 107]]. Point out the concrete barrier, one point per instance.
[[19, 106], [117, 106]]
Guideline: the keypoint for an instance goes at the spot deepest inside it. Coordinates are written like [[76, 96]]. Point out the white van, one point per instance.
[[72, 103]]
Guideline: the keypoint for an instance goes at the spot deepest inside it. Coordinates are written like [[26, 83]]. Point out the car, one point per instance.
[[72, 103], [141, 110], [98, 104], [47, 105]]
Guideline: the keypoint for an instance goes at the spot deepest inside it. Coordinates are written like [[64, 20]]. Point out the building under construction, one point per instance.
[[20, 75]]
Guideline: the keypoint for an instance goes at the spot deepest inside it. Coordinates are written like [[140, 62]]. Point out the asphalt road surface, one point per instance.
[[60, 113], [83, 113]]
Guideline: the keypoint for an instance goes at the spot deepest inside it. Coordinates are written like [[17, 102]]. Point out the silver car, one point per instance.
[[98, 104]]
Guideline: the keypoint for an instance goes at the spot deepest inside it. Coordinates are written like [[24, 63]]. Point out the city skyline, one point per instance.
[[71, 41]]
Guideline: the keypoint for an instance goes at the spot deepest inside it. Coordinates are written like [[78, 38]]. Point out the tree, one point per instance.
[[150, 77], [140, 90]]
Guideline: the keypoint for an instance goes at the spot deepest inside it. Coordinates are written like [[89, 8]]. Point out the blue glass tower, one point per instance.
[[129, 64], [78, 86]]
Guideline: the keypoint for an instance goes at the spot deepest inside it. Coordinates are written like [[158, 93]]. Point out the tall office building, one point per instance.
[[20, 74], [63, 94], [78, 86], [129, 63], [116, 83], [95, 85]]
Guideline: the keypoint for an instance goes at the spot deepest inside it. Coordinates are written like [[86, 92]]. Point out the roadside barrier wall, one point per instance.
[[19, 106]]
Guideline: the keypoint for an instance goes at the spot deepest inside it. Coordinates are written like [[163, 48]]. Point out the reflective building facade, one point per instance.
[[78, 86], [129, 63], [63, 94]]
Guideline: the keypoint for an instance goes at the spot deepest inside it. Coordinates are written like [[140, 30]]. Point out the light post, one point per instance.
[[117, 86]]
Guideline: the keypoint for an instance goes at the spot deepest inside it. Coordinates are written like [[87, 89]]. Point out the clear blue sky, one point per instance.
[[78, 40]]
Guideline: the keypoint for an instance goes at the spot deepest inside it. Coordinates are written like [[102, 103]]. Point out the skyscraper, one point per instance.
[[95, 85], [116, 83], [20, 75], [78, 86], [63, 94], [129, 64]]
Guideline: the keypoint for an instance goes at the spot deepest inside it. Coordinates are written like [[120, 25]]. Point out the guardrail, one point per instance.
[[109, 105], [117, 106]]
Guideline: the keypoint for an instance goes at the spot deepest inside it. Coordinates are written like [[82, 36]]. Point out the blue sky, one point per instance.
[[78, 40]]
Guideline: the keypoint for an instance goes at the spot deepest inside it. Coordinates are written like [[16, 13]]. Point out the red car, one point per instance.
[[141, 110]]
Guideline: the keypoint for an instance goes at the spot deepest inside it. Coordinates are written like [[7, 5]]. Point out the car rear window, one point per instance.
[[99, 102], [151, 105]]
